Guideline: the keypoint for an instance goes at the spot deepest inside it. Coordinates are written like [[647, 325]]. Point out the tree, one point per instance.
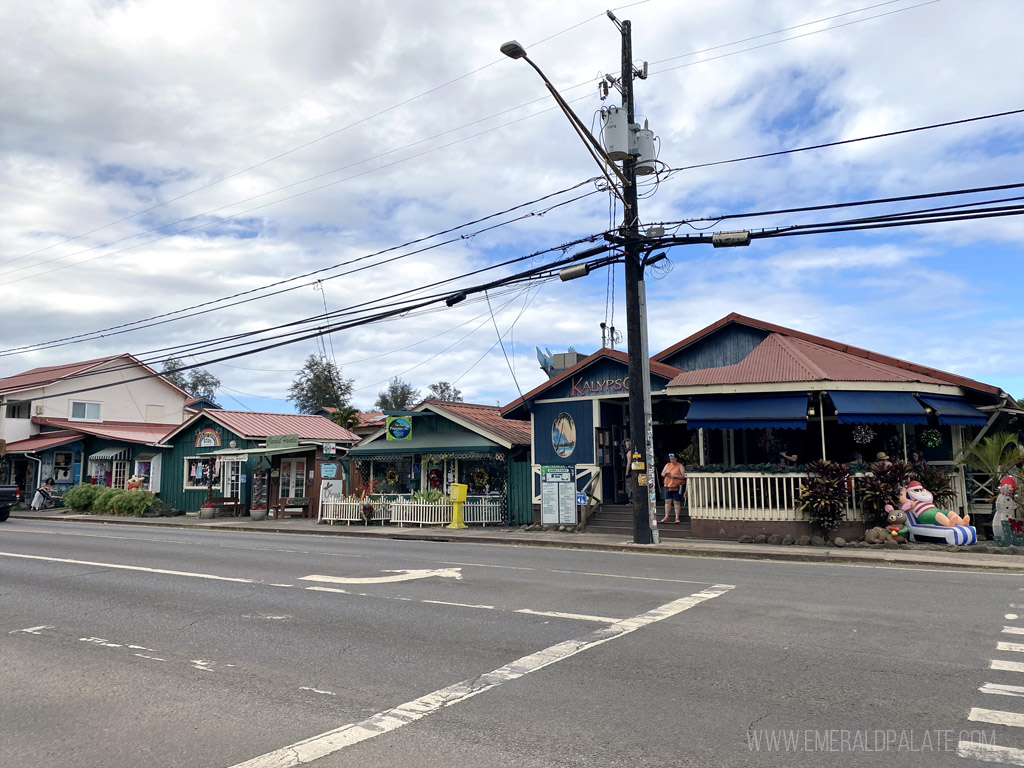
[[995, 457], [319, 384], [442, 390], [398, 395], [198, 382], [346, 416]]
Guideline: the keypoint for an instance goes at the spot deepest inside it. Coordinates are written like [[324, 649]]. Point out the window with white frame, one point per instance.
[[84, 411], [201, 471], [293, 478]]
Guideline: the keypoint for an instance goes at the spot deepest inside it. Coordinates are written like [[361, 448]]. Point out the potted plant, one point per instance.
[[258, 512]]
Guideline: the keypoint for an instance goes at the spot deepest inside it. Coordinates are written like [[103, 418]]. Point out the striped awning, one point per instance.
[[110, 454]]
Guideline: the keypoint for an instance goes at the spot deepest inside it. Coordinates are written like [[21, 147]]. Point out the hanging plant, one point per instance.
[[480, 476], [391, 476], [863, 434], [434, 478], [931, 438]]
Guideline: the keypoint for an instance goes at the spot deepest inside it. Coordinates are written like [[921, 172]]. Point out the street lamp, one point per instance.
[[642, 477]]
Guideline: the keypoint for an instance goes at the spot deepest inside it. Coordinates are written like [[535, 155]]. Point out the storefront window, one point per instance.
[[199, 471]]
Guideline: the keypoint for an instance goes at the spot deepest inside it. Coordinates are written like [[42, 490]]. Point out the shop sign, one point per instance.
[[558, 495], [330, 449], [282, 441], [589, 387], [399, 428], [208, 438], [328, 471]]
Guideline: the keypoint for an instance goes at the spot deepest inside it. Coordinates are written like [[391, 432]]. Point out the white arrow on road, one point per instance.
[[443, 573]]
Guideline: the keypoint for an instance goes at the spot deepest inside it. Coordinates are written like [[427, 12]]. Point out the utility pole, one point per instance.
[[644, 489]]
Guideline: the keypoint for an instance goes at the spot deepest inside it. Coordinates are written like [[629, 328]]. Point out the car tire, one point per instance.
[[5, 512]]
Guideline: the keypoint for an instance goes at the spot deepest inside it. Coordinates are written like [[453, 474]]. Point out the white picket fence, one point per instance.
[[349, 510], [481, 510], [755, 496]]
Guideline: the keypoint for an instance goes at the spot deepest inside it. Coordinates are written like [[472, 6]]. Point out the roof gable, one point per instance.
[[257, 426], [818, 357], [37, 378], [574, 381], [483, 419]]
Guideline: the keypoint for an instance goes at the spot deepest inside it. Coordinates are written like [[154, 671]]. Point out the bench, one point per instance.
[[223, 505], [291, 507]]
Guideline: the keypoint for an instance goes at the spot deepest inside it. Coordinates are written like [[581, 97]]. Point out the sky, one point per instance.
[[319, 161]]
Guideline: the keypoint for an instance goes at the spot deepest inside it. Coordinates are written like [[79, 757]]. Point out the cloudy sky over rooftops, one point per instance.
[[159, 157]]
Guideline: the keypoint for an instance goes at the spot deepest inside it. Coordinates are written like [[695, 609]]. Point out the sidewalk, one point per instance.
[[592, 541]]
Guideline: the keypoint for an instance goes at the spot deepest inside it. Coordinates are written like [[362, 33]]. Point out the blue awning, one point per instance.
[[878, 408], [954, 410], [787, 411]]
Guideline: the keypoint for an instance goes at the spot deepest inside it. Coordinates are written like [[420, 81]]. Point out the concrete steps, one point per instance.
[[617, 520]]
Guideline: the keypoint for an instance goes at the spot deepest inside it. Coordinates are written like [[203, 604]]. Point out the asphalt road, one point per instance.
[[123, 647]]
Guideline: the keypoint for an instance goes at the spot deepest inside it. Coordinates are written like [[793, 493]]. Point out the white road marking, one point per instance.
[[1014, 630], [1018, 647], [151, 658], [458, 605], [30, 630], [559, 615], [316, 690], [333, 741], [1011, 617], [1008, 666], [1003, 690], [101, 641], [202, 665], [978, 715], [329, 589], [990, 753], [127, 567], [402, 575], [281, 585]]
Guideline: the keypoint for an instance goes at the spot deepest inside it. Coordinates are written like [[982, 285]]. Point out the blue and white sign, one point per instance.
[[581, 499]]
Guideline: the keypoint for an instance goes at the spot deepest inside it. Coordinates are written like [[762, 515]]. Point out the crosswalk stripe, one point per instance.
[[996, 717], [1014, 630], [1003, 690], [1018, 647], [990, 753], [1008, 666]]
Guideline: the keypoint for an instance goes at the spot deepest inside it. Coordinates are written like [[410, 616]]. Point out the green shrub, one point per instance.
[[80, 497], [429, 496], [103, 504], [133, 502]]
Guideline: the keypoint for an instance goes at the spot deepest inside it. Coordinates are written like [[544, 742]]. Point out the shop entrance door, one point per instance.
[[293, 478]]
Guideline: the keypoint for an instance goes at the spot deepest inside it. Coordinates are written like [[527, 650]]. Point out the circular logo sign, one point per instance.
[[563, 435], [399, 428]]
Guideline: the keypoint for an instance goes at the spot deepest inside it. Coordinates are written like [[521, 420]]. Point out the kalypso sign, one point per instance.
[[589, 387]]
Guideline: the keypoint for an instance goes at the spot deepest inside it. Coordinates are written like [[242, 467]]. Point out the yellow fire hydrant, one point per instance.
[[458, 497]]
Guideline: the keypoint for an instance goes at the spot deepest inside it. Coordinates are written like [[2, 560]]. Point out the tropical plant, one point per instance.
[[398, 395], [198, 382], [319, 384], [442, 390], [824, 494], [80, 497], [346, 416], [882, 487], [939, 485], [995, 457]]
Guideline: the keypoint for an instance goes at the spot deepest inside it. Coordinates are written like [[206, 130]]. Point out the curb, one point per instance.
[[889, 558]]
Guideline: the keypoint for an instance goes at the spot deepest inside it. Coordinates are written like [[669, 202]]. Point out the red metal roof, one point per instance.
[[40, 377], [780, 359], [486, 417], [126, 431], [43, 441], [257, 426], [856, 364], [371, 418]]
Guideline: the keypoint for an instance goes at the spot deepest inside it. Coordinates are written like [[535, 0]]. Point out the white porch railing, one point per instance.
[[755, 496], [482, 509]]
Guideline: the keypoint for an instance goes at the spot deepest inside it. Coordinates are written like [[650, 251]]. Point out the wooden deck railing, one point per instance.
[[755, 496]]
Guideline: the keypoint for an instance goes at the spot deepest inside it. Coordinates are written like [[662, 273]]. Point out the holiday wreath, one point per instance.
[[931, 438], [480, 476], [434, 478], [391, 476]]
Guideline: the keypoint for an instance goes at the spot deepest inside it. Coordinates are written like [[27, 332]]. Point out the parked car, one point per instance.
[[9, 496]]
